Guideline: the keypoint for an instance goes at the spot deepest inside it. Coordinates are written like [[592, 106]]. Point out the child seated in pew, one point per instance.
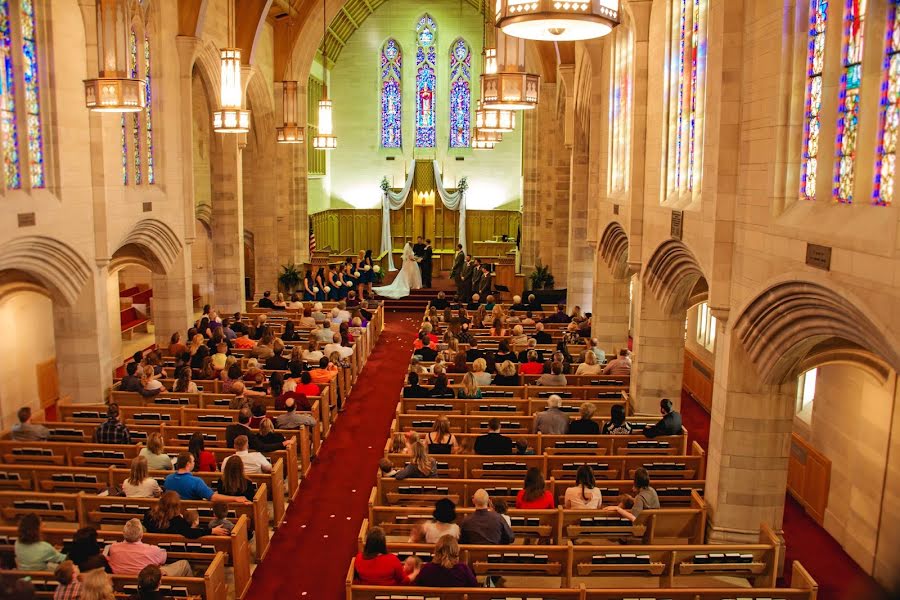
[[220, 510], [411, 567], [387, 468], [501, 509], [192, 517]]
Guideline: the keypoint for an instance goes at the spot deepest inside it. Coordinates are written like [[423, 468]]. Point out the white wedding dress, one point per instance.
[[409, 277]]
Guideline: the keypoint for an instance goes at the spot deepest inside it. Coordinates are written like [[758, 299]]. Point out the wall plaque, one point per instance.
[[26, 219], [818, 256], [677, 224]]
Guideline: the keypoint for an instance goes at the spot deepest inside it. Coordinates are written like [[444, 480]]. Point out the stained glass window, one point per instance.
[[848, 108], [620, 112], [815, 62], [685, 95], [11, 173], [391, 97], [885, 169], [32, 95], [426, 59], [460, 93], [124, 151], [148, 117], [135, 117]]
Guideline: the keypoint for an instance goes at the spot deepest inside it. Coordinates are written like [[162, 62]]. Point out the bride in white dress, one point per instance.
[[409, 277]]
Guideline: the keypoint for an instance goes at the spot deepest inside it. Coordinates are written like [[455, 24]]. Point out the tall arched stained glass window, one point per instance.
[[815, 63], [426, 59], [32, 95], [886, 168], [8, 126], [848, 106], [620, 111], [687, 51], [460, 93], [151, 176], [136, 117], [391, 98]]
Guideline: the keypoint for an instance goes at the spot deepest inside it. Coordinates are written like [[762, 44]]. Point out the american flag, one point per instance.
[[312, 237]]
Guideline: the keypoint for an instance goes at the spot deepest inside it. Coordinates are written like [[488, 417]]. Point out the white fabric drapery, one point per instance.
[[391, 200]]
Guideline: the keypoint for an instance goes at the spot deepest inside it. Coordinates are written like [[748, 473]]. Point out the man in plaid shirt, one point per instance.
[[112, 431]]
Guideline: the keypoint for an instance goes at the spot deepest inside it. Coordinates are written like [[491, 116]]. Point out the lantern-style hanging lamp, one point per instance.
[[113, 90], [510, 87], [557, 20], [231, 117], [325, 138], [290, 132]]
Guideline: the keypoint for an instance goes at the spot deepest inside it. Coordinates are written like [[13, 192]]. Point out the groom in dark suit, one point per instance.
[[426, 264], [456, 273]]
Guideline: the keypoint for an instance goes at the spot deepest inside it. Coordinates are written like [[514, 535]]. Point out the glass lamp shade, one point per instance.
[[500, 121], [290, 132], [325, 138], [557, 20], [115, 94], [479, 145], [231, 118], [490, 61], [480, 135], [510, 91], [325, 142]]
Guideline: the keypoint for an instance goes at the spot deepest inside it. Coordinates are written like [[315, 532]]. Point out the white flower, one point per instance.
[[356, 274], [377, 268], [315, 290], [366, 268], [327, 289]]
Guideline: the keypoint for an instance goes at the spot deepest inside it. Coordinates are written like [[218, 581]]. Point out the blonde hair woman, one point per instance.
[[441, 440], [149, 380], [96, 585], [445, 569], [420, 466], [479, 368], [451, 351], [590, 366], [139, 483], [469, 389], [155, 453]]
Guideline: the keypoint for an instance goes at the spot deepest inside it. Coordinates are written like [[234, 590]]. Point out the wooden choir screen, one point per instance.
[[698, 380], [348, 229], [809, 477]]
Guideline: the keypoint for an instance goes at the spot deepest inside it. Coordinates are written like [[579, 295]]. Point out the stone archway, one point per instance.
[[671, 282], [612, 305]]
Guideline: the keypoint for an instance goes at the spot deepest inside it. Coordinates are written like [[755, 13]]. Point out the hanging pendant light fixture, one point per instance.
[[557, 20], [487, 119], [113, 90], [325, 138], [510, 87], [290, 132], [231, 118]]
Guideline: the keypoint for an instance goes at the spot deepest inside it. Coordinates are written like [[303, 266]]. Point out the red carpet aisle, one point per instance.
[[838, 576], [311, 551]]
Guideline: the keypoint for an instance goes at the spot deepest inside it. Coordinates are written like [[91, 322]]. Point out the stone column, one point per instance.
[[227, 225], [658, 361], [611, 307], [83, 354], [749, 445], [581, 255], [531, 187], [173, 304]]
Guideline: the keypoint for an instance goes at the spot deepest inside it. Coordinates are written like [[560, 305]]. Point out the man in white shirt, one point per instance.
[[254, 462], [324, 334], [335, 346], [343, 313]]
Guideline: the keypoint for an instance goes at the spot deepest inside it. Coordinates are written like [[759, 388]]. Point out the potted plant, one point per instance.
[[541, 278], [289, 279]]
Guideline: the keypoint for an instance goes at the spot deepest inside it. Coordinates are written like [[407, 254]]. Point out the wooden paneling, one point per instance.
[[348, 229], [698, 380], [47, 382], [809, 477], [482, 225]]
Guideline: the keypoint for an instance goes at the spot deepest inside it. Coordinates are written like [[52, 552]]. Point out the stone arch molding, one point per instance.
[[158, 245], [53, 263], [614, 250], [673, 273], [795, 325]]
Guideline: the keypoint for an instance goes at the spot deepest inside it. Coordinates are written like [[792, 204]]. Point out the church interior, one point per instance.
[[219, 203]]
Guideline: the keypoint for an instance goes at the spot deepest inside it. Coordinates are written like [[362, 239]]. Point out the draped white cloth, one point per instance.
[[391, 200]]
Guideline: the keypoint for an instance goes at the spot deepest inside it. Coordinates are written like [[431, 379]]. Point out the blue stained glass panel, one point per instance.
[[8, 126], [151, 175], [32, 95], [460, 94]]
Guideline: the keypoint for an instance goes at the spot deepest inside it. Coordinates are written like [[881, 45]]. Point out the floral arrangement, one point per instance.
[[315, 289], [377, 268], [366, 268], [385, 184], [327, 289], [463, 184], [356, 274]]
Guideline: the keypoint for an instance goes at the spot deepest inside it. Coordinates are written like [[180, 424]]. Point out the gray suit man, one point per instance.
[[475, 281], [459, 262]]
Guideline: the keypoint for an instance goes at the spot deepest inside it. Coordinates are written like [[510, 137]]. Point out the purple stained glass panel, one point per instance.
[[460, 94], [425, 83], [391, 95], [818, 12], [849, 103], [8, 126], [889, 127], [151, 175], [31, 74]]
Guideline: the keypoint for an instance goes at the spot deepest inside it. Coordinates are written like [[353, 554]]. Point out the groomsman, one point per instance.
[[486, 282], [459, 261], [464, 289], [426, 264], [477, 274]]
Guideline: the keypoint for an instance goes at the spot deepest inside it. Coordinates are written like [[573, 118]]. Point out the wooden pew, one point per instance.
[[198, 551], [613, 444], [399, 521], [49, 507], [61, 453], [52, 478], [210, 586], [105, 510]]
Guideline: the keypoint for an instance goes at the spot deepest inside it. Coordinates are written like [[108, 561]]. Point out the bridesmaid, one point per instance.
[[308, 284], [349, 280], [368, 272], [360, 274], [339, 281], [330, 282], [320, 284]]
